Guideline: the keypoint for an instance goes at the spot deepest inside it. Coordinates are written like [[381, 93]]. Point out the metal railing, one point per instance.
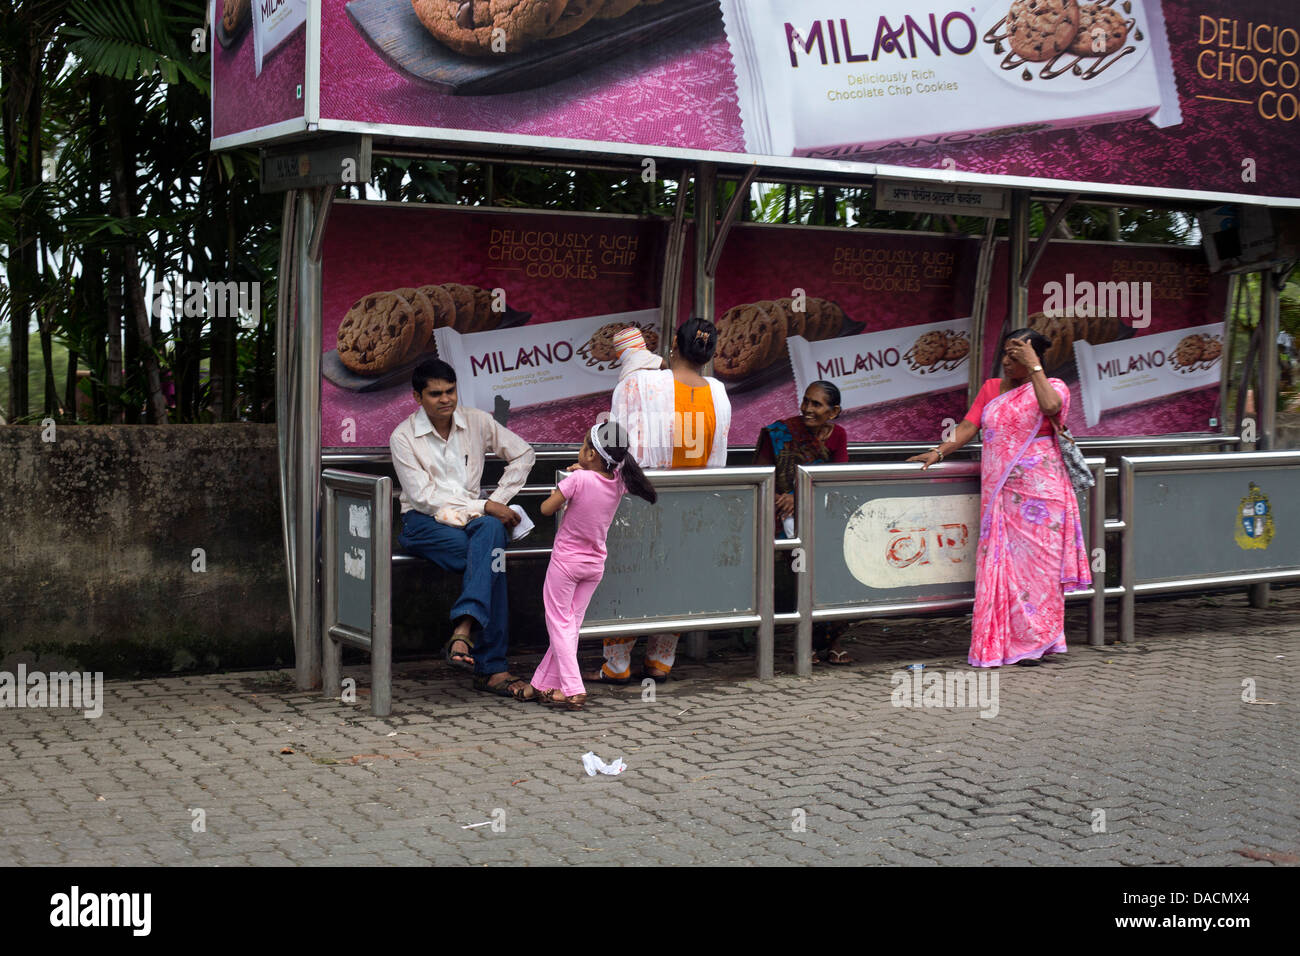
[[1200, 514]]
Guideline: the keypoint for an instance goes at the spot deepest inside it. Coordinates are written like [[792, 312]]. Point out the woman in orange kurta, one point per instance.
[[676, 418]]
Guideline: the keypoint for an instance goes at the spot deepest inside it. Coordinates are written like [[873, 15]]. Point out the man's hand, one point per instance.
[[502, 513], [784, 506]]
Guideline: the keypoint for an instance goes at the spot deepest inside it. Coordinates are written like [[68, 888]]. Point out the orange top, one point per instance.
[[694, 422]]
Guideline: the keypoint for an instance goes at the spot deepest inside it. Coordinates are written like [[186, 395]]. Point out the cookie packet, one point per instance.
[[536, 363], [843, 78], [1147, 368], [878, 367], [273, 22]]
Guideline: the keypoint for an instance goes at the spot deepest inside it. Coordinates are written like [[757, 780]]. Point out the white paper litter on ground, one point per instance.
[[591, 763]]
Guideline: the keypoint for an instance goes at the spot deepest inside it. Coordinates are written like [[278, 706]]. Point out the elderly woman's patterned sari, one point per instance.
[[1031, 548]]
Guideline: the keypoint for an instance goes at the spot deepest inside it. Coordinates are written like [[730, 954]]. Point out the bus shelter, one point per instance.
[[330, 86]]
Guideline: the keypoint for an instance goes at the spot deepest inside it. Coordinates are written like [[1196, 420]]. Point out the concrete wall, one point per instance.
[[97, 536], [98, 530]]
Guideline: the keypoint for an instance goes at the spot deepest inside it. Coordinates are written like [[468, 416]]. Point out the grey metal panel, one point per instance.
[[833, 509], [692, 553], [837, 494], [352, 593], [1186, 523]]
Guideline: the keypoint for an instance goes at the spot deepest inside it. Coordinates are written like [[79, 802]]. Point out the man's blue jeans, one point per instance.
[[473, 550]]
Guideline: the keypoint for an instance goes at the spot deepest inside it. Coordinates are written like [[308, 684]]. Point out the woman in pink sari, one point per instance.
[[1031, 548]]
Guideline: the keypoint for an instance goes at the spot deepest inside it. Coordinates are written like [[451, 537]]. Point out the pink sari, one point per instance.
[[1031, 548]]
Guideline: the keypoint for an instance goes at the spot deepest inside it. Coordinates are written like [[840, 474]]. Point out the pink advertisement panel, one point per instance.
[[523, 305], [1137, 334], [885, 316], [258, 63], [1144, 93]]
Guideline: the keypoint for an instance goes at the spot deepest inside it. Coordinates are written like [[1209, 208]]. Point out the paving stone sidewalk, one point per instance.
[[721, 768]]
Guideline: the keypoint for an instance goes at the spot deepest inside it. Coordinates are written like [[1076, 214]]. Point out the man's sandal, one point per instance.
[[552, 698], [838, 658], [516, 687], [461, 660]]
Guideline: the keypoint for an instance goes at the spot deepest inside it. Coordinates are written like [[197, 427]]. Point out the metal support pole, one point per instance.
[[1017, 255], [980, 309], [670, 290], [766, 561], [706, 194], [1097, 522], [1049, 231], [1128, 574], [1270, 310], [284, 357], [804, 575], [306, 638]]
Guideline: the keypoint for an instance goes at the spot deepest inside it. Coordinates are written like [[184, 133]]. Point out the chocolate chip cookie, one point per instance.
[[929, 349], [958, 347], [1102, 30], [469, 26], [1188, 351], [750, 338], [615, 8], [575, 16], [444, 308], [422, 312], [232, 13], [1042, 29], [463, 305], [376, 333], [824, 320]]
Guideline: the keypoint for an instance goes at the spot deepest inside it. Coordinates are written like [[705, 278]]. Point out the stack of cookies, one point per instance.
[[599, 349], [938, 349], [1197, 352], [752, 337], [385, 330], [1062, 332], [1040, 30], [487, 27]]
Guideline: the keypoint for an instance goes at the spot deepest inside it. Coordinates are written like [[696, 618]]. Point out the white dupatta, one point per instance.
[[645, 404]]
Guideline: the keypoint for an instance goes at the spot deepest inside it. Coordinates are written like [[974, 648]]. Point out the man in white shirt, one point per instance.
[[438, 455]]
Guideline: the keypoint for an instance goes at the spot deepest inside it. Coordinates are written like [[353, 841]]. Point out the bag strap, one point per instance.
[[1062, 431]]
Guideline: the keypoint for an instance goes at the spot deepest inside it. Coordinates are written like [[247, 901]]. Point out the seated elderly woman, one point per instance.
[[809, 438]]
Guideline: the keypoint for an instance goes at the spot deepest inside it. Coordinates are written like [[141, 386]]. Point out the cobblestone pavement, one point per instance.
[[721, 768]]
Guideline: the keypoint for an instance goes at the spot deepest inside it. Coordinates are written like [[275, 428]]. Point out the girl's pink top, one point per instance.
[[986, 394], [591, 502]]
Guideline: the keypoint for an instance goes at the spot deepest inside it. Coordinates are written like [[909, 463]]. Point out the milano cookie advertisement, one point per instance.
[[884, 316], [523, 306], [258, 62], [1179, 94], [1136, 333]]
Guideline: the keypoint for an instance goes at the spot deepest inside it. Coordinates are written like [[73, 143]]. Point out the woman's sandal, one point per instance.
[[461, 660], [551, 698], [654, 674], [505, 688], [599, 677]]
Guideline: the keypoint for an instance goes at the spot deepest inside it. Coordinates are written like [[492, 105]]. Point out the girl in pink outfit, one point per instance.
[[590, 495]]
